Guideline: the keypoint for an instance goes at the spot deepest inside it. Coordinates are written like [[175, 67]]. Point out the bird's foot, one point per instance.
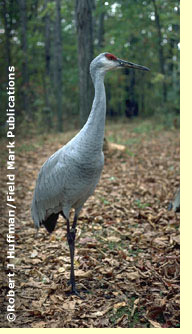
[[73, 289], [74, 292]]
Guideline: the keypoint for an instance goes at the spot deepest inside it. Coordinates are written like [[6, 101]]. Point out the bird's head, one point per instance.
[[107, 61]]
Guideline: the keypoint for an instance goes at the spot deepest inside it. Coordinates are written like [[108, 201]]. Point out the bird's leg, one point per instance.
[[74, 223], [71, 242]]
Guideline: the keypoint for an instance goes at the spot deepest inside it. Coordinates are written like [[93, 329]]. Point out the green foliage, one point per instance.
[[129, 32], [141, 205], [133, 318]]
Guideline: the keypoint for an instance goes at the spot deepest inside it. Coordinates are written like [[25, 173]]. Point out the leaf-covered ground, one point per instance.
[[127, 245]]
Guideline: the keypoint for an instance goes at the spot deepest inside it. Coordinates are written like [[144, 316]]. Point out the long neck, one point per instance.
[[95, 125]]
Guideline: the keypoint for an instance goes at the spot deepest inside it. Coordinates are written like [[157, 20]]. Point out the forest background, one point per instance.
[[44, 40]]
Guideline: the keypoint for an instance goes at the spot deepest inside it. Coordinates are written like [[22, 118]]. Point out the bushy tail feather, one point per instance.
[[50, 222]]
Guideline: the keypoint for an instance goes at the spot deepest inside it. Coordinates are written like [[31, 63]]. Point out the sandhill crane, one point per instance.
[[175, 204], [70, 175]]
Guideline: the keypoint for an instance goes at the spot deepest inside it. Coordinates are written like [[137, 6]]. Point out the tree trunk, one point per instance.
[[58, 65], [25, 75], [101, 30], [170, 57], [47, 114], [7, 26], [160, 47], [47, 41], [83, 16]]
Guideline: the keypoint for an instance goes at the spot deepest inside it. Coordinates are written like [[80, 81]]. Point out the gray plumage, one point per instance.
[[175, 204], [70, 175]]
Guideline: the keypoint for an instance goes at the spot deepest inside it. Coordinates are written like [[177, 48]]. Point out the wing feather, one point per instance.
[[64, 182], [49, 190]]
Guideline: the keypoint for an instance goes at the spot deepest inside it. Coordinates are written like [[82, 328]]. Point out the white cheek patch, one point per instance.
[[108, 64]]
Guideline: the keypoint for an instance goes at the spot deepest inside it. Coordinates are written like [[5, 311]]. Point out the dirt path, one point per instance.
[[127, 249]]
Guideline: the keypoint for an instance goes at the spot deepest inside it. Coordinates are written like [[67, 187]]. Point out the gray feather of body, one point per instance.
[[70, 175]]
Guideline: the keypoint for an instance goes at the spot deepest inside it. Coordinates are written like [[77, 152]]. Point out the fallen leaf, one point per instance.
[[113, 238], [34, 253], [101, 313], [84, 274], [69, 305], [132, 275], [118, 305], [40, 324], [134, 306], [87, 240], [127, 242], [155, 324]]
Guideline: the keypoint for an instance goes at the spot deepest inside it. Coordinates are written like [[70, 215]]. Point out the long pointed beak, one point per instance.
[[124, 63]]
